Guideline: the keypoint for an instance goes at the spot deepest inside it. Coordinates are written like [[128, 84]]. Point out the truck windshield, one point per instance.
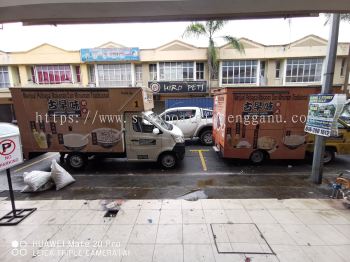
[[159, 121], [345, 115]]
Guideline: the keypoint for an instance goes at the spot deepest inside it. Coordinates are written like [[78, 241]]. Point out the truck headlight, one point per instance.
[[179, 139]]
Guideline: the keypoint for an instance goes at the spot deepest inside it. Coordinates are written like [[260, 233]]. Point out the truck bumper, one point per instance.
[[218, 150], [179, 150]]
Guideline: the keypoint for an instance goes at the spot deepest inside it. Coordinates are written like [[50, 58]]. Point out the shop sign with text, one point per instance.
[[176, 87]]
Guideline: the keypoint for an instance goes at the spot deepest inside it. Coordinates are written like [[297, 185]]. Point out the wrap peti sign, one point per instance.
[[110, 54], [323, 114], [175, 87], [10, 146]]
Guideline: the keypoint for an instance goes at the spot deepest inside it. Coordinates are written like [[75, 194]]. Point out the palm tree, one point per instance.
[[343, 17], [209, 29]]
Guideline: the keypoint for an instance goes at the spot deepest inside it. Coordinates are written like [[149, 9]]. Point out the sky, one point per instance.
[[15, 37]]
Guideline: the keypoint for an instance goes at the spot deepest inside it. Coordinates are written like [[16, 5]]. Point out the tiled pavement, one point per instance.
[[178, 230]]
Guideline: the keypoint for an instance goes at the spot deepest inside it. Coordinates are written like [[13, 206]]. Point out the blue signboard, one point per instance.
[[110, 54]]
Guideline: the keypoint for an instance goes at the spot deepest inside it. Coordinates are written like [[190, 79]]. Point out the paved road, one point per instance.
[[113, 178]]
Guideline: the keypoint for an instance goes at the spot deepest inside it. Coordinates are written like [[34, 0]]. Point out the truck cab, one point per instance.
[[335, 145], [149, 138]]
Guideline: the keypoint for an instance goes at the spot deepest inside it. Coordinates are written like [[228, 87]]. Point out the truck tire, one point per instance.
[[76, 160], [206, 137], [329, 156], [168, 160], [257, 157], [62, 155]]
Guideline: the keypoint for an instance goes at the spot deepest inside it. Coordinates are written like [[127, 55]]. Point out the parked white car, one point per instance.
[[194, 122]]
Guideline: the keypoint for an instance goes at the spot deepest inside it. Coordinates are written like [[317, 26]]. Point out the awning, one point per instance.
[[5, 97], [89, 11]]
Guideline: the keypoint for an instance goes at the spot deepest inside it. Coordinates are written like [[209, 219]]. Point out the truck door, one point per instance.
[[341, 142], [141, 143]]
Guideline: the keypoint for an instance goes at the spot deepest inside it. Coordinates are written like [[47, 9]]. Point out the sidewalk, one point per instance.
[[179, 230]]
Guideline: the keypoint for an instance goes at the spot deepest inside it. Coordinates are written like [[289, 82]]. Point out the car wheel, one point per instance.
[[257, 157], [76, 160], [329, 156], [168, 160], [207, 137]]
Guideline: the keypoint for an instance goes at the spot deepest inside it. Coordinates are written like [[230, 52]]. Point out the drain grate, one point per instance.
[[111, 213], [240, 238]]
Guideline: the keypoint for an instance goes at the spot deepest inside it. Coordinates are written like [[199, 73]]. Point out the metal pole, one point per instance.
[[317, 163], [11, 192], [347, 72]]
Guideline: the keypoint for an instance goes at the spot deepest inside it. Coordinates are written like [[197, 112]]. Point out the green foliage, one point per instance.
[[209, 29], [343, 17]]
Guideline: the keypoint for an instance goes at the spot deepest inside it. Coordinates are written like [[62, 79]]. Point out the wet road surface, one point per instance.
[[220, 178]]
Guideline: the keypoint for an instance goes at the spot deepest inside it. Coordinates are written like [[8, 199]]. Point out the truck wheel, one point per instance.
[[76, 160], [329, 156], [207, 137], [62, 155], [168, 160], [257, 157]]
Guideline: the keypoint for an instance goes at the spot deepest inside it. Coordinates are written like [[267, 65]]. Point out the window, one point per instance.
[[304, 70], [91, 69], [4, 77], [77, 72], [239, 72], [176, 71], [52, 74], [262, 68], [200, 71], [118, 75], [345, 115], [139, 126], [186, 114], [278, 69], [179, 115], [153, 72], [342, 69], [138, 73], [170, 116], [33, 74], [207, 114], [262, 73]]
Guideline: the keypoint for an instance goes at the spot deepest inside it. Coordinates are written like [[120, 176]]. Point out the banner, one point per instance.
[[110, 54], [323, 114]]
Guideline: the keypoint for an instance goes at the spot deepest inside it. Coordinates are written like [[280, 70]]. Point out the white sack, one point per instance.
[[60, 176], [47, 186], [36, 179]]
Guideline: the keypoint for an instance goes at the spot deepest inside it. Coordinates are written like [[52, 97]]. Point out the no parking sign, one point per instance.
[[11, 155], [10, 146]]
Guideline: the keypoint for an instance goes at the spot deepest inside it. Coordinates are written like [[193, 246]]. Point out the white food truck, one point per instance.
[[82, 122]]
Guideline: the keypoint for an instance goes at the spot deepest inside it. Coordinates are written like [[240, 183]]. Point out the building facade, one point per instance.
[[173, 70]]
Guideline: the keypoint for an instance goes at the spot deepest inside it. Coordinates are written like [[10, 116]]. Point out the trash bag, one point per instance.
[[60, 176], [27, 189], [36, 179]]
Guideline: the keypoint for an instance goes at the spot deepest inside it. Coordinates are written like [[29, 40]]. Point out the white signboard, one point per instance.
[[10, 152], [323, 115]]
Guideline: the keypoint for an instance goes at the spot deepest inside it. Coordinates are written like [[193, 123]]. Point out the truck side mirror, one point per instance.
[[155, 131], [146, 122]]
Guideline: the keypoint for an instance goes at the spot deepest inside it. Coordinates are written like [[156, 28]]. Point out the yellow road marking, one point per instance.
[[38, 161], [201, 156]]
